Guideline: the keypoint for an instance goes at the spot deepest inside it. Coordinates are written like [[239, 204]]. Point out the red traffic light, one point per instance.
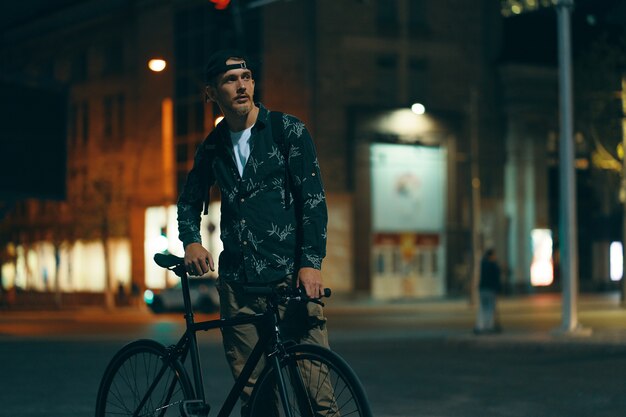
[[221, 4]]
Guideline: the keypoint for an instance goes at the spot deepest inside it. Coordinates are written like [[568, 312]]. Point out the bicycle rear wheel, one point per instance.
[[142, 381], [318, 383]]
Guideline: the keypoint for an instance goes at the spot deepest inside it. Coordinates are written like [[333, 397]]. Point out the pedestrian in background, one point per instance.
[[489, 288]]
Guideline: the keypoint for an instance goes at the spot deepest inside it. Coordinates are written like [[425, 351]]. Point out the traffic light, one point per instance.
[[221, 4]]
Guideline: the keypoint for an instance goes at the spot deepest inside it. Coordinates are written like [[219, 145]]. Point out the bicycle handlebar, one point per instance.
[[286, 294], [169, 261]]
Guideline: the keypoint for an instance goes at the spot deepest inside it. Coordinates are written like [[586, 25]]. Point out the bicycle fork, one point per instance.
[[300, 393], [282, 387]]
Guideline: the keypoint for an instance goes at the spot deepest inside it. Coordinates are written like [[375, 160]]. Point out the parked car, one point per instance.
[[202, 291]]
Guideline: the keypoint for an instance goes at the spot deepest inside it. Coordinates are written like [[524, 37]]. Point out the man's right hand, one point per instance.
[[198, 260]]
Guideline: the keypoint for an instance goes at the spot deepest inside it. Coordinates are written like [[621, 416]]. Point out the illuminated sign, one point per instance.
[[541, 268], [408, 188], [616, 261]]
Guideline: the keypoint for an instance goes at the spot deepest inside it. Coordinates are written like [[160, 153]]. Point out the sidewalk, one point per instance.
[[526, 319]]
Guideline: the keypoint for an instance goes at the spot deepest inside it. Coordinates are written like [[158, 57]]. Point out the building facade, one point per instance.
[[350, 70], [353, 71]]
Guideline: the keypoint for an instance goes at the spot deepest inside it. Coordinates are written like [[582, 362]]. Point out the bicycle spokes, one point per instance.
[[140, 382]]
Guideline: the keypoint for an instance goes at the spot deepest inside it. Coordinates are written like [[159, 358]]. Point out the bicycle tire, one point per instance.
[[332, 388], [132, 372]]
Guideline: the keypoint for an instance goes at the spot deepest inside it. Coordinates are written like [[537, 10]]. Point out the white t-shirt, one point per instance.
[[241, 147]]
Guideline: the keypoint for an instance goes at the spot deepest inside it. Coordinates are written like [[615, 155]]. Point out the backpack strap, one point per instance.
[[210, 148], [278, 134]]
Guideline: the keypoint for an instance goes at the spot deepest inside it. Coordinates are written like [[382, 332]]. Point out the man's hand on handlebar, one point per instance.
[[311, 280], [198, 260]]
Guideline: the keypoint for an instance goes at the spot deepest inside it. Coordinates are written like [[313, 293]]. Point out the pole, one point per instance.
[[568, 240], [476, 215], [622, 194]]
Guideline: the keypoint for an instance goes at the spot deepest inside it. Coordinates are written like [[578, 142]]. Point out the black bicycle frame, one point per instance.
[[189, 343]]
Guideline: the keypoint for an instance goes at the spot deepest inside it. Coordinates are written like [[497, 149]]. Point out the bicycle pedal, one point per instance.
[[194, 408]]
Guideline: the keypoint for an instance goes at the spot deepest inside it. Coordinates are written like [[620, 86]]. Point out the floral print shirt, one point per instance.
[[273, 218]]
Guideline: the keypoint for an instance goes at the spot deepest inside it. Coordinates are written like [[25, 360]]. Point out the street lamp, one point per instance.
[[418, 108], [157, 64]]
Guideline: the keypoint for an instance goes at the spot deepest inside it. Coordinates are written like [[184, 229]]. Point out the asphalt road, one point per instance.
[[414, 359]]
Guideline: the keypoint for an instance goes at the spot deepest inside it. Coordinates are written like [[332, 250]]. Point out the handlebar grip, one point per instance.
[[261, 290], [326, 292]]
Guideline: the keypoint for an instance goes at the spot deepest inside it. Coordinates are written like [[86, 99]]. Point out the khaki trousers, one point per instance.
[[239, 341]]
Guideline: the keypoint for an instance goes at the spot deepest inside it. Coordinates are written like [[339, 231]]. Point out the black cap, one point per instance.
[[217, 62]]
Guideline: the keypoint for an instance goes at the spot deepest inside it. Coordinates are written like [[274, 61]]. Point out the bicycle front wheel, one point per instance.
[[141, 380], [318, 383]]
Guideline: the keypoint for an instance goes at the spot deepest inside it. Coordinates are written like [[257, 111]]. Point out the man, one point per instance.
[[489, 287], [273, 209]]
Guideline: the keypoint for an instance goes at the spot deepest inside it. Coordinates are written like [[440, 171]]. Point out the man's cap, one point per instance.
[[217, 62]]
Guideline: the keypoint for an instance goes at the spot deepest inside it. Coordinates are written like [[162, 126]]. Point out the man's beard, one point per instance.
[[243, 110]]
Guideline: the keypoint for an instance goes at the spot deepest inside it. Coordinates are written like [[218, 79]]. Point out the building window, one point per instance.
[[121, 115], [113, 57], [181, 115], [84, 113], [72, 124], [181, 153], [387, 18], [183, 87], [79, 67], [114, 117], [199, 116], [108, 117], [387, 77], [418, 78], [417, 18]]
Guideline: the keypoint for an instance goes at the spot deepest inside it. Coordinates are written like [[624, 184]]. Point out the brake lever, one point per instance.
[[303, 299]]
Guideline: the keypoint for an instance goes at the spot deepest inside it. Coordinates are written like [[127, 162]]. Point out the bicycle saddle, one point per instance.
[[167, 260]]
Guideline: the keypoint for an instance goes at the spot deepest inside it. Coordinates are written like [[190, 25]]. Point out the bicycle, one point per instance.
[[146, 378]]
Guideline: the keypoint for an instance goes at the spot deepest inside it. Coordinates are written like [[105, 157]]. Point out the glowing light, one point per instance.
[[218, 119], [157, 64], [591, 20], [157, 243], [161, 243], [148, 296], [541, 270], [407, 126], [221, 4], [616, 261], [620, 151], [418, 108], [516, 9]]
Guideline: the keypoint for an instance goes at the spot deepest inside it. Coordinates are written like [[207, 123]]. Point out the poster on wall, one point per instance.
[[408, 188], [408, 220]]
